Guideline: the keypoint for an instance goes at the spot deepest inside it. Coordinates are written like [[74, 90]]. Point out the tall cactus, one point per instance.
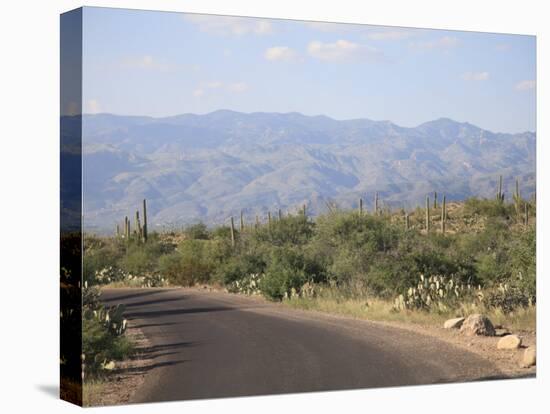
[[242, 221], [145, 220], [517, 200], [435, 200], [360, 206], [280, 215], [304, 211], [117, 231], [269, 219], [500, 194], [232, 232], [427, 214], [138, 226], [407, 222], [376, 204], [443, 215], [526, 218], [257, 221]]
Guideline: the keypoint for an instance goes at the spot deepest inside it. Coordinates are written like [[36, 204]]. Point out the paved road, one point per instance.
[[207, 345]]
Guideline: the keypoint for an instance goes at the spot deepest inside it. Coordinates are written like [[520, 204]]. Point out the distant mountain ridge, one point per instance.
[[209, 167]]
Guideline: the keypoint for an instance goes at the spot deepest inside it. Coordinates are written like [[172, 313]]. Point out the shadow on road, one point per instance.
[[112, 298], [161, 313], [151, 353], [146, 368], [153, 302], [155, 325]]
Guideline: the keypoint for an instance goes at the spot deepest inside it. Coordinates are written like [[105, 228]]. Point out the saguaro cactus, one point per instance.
[[443, 215], [435, 200], [517, 200], [144, 220], [304, 211], [257, 221], [376, 203], [427, 214], [138, 226], [117, 231], [526, 214], [500, 194], [360, 206], [407, 222], [269, 218], [126, 228], [232, 232], [242, 221], [280, 215]]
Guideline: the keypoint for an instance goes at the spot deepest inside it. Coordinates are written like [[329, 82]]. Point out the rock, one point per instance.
[[529, 357], [454, 323], [502, 332], [477, 324], [509, 342]]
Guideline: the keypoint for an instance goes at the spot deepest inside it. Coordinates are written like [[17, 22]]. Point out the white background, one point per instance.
[[29, 163]]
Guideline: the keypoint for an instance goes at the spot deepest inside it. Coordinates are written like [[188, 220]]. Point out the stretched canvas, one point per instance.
[[255, 206]]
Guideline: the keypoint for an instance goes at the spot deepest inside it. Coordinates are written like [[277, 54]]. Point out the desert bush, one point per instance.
[[436, 293], [294, 230], [197, 231], [488, 207], [508, 298], [103, 340], [100, 347], [241, 266], [287, 270], [194, 261]]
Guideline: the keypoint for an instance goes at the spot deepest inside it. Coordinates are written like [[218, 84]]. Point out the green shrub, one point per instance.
[[288, 270], [241, 265], [100, 347], [293, 230], [488, 208], [197, 231], [194, 262]]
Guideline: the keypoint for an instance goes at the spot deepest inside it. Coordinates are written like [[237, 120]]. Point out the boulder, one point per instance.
[[509, 342], [529, 357], [502, 332], [454, 323], [477, 324]]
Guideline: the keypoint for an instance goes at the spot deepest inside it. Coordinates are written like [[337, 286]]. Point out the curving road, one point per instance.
[[209, 344]]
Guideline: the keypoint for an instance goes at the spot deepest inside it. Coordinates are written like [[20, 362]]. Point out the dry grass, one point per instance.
[[92, 392], [523, 319]]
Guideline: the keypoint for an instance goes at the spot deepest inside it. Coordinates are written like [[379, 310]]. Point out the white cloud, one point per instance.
[[197, 93], [445, 43], [526, 85], [343, 50], [92, 106], [281, 53], [229, 25], [475, 76]]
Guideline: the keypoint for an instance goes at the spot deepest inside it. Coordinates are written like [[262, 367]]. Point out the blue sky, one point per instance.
[[158, 64]]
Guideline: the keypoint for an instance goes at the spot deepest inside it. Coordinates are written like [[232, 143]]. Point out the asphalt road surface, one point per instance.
[[210, 344]]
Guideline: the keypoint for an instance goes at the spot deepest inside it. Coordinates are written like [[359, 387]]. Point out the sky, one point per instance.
[[161, 64]]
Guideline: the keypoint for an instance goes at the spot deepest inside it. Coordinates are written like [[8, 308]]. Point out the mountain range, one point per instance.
[[209, 167]]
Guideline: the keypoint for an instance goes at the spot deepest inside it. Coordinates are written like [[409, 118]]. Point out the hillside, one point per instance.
[[208, 167]]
